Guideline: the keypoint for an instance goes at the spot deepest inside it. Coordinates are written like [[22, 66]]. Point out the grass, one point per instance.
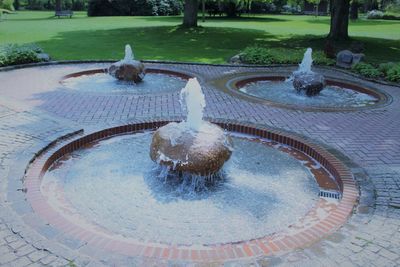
[[161, 38]]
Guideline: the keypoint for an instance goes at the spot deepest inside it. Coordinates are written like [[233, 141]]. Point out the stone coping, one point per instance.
[[298, 236]]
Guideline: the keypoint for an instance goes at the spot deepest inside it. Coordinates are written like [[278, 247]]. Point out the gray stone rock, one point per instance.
[[43, 57], [346, 59], [237, 59], [357, 58], [311, 83]]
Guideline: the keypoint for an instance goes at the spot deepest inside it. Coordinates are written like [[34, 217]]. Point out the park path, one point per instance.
[[33, 113]]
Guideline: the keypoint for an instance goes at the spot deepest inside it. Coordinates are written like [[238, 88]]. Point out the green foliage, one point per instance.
[[257, 55], [12, 54], [367, 70], [262, 7], [393, 74], [134, 7], [391, 16], [393, 7], [50, 4], [7, 4], [266, 56], [390, 71], [385, 67]]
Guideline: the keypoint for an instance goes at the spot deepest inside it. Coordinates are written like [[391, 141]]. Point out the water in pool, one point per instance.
[[330, 96], [104, 83], [115, 185]]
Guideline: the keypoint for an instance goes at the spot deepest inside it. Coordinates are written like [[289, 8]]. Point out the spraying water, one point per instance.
[[195, 101], [306, 63], [129, 57], [304, 66]]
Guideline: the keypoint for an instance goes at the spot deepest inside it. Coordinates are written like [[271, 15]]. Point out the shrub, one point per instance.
[[391, 71], [7, 4], [367, 70], [50, 4], [385, 67], [393, 74], [257, 55], [375, 14], [12, 54], [134, 7], [390, 16], [261, 7], [393, 7], [264, 56]]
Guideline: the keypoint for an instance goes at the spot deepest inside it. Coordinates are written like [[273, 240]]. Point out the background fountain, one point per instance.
[[194, 145], [128, 69], [304, 79]]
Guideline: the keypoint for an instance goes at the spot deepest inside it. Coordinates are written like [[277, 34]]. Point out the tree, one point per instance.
[[58, 5], [354, 9], [339, 19], [190, 13], [316, 3]]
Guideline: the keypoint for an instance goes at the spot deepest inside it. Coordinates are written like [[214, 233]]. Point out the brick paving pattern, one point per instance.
[[369, 138]]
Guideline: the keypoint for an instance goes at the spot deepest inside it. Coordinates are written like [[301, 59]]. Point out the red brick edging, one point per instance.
[[297, 236]]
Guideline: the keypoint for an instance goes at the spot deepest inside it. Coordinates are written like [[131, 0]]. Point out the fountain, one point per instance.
[[304, 89], [194, 145], [304, 79], [105, 189], [128, 69], [126, 77]]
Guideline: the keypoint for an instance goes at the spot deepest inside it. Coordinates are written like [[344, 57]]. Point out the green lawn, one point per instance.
[[160, 37]]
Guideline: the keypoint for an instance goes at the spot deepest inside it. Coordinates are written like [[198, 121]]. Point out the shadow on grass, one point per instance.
[[212, 44], [355, 23], [178, 19], [203, 44]]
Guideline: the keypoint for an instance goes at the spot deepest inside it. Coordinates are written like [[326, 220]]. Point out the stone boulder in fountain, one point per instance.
[[193, 146], [306, 80], [128, 69], [202, 152], [311, 83]]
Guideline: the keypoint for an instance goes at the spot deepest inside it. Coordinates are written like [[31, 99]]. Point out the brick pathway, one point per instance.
[[33, 112]]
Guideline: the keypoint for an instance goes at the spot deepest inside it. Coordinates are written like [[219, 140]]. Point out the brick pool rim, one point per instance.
[[232, 83], [267, 245]]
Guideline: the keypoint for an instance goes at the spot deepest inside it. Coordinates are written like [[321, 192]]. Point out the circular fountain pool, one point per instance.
[[118, 186], [99, 81], [276, 90], [103, 188]]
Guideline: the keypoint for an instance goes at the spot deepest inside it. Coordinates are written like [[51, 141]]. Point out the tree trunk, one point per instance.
[[58, 5], [339, 20], [190, 13], [16, 4], [354, 10], [203, 9], [230, 9]]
